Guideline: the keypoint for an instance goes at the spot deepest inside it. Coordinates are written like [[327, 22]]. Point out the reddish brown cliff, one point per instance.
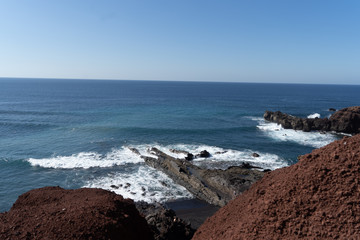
[[56, 213], [317, 198]]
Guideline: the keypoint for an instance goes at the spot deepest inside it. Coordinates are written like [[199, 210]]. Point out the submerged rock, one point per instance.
[[56, 213], [316, 198]]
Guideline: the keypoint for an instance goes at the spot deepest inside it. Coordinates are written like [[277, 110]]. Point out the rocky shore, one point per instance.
[[214, 186], [346, 120]]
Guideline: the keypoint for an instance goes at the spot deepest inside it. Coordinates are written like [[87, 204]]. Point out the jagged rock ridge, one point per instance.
[[214, 186]]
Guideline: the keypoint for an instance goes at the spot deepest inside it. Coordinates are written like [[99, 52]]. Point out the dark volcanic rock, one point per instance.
[[316, 198], [164, 223], [56, 213], [189, 157], [346, 120], [204, 154], [214, 186]]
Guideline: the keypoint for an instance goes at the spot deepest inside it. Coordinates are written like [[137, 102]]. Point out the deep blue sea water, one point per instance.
[[76, 133]]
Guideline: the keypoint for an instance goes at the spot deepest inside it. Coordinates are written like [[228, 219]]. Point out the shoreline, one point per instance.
[[194, 211]]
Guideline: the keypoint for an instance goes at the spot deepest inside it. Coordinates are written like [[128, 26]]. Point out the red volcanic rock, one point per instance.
[[56, 213], [317, 198]]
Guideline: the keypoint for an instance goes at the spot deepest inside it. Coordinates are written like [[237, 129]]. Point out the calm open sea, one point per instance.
[[76, 133]]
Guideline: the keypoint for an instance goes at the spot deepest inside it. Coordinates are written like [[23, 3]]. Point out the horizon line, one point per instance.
[[161, 80]]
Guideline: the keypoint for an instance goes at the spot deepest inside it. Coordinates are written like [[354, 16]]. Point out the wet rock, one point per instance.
[[223, 152], [56, 213], [214, 186], [114, 186], [164, 223], [346, 120], [189, 157], [134, 150], [204, 154], [332, 109], [255, 155], [178, 151]]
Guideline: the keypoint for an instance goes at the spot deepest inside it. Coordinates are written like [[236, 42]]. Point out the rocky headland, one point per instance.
[[346, 120], [316, 198]]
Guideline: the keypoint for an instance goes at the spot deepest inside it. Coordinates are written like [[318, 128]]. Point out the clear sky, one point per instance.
[[303, 41]]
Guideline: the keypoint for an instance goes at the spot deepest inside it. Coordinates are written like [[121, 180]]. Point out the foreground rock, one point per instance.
[[346, 120], [317, 198], [214, 186], [56, 213], [164, 223]]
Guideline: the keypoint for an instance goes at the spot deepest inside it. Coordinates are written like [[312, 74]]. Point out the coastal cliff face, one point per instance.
[[346, 120], [317, 198], [56, 213]]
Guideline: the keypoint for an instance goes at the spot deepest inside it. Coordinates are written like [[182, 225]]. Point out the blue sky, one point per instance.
[[304, 41]]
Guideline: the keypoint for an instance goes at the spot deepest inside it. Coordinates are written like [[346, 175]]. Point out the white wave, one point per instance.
[[223, 158], [88, 159], [314, 115], [147, 184], [313, 139]]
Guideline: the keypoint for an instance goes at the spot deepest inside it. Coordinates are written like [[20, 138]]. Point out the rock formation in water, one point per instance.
[[56, 213], [316, 198], [346, 120], [214, 186]]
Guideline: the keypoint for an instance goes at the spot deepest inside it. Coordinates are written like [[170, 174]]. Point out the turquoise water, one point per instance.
[[76, 133]]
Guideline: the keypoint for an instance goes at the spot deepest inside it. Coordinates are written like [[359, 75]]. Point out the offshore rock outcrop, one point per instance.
[[346, 120], [214, 186], [87, 213], [316, 198]]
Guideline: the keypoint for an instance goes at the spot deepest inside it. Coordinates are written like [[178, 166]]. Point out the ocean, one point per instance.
[[77, 133]]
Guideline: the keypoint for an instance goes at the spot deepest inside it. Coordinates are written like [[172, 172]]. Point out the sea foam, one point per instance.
[[314, 115], [88, 159], [146, 184], [277, 132], [223, 158]]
